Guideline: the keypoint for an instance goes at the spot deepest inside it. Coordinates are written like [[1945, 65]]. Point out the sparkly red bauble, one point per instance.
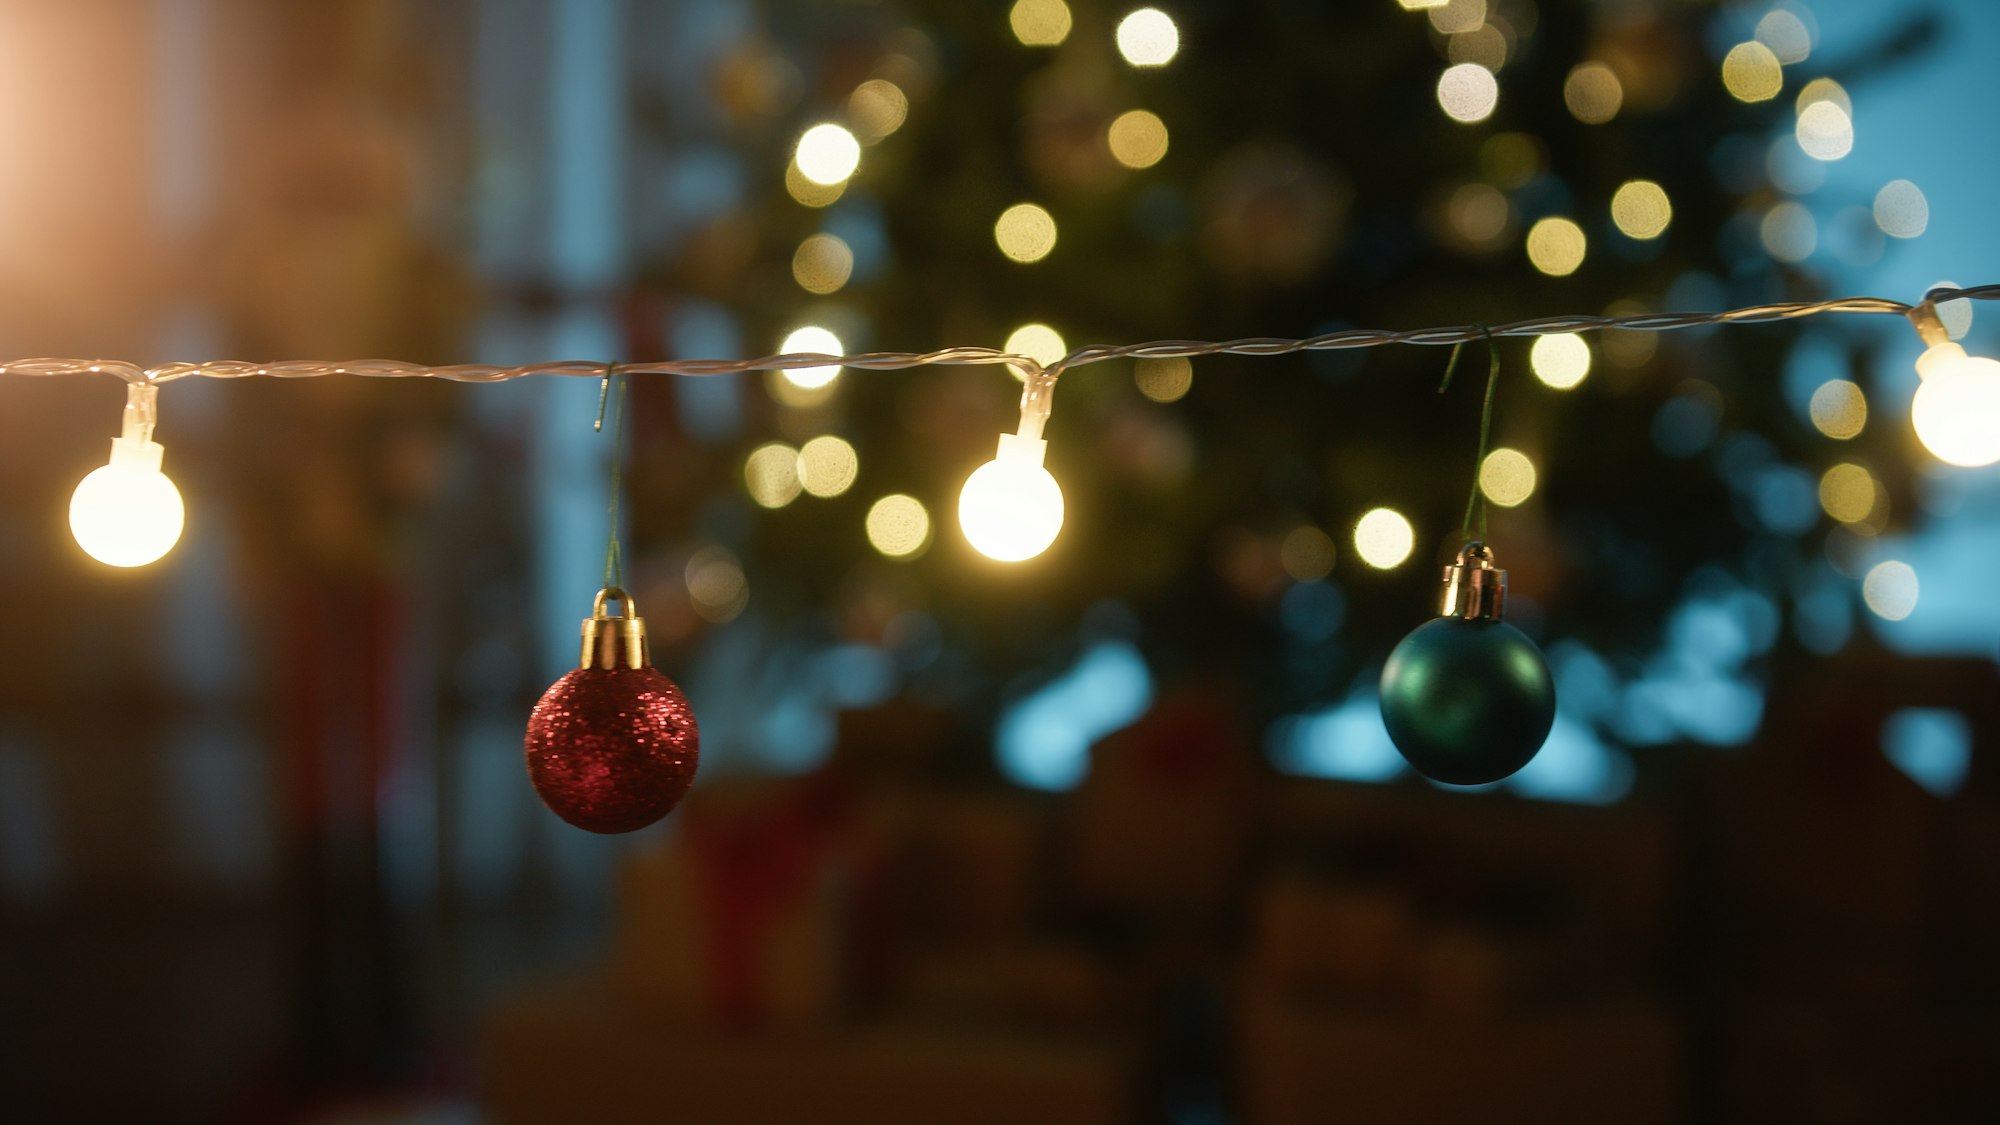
[[612, 749]]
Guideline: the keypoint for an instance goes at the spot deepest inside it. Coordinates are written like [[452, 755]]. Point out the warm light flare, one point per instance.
[[1556, 246], [127, 513], [827, 154], [1956, 411], [1011, 508], [1468, 93], [809, 340], [1560, 359], [1383, 538], [1148, 37]]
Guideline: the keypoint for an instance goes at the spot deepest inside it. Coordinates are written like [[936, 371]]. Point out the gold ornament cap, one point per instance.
[[614, 642], [1474, 588]]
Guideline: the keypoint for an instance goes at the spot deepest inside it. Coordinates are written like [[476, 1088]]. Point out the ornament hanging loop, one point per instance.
[[1474, 588], [1474, 530], [614, 642]]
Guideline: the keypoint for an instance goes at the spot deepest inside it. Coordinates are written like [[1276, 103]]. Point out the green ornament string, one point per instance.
[[614, 563], [1475, 503]]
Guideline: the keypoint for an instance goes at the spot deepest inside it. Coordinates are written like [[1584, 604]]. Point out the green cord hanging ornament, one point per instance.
[[1467, 697]]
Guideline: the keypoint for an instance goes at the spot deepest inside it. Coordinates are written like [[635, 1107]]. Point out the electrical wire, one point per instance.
[[1032, 371]]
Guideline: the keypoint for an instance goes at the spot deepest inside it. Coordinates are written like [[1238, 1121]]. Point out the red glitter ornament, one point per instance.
[[612, 746]]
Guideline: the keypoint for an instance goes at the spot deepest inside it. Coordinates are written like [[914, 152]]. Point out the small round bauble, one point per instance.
[[1467, 701], [612, 746], [612, 749]]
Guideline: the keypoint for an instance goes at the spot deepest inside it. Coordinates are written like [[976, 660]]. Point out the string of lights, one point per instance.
[[1092, 353], [128, 513]]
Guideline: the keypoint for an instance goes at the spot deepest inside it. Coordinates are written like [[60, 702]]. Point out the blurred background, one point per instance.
[[1114, 834]]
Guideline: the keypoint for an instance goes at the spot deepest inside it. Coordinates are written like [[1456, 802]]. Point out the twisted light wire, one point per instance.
[[1030, 369]]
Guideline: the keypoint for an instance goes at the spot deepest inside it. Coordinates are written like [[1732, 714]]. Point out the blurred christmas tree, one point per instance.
[[1288, 169]]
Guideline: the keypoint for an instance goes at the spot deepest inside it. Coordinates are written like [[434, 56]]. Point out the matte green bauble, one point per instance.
[[1467, 701]]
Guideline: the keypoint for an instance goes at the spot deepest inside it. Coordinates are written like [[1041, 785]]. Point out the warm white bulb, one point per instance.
[[127, 513], [1957, 409], [1011, 508]]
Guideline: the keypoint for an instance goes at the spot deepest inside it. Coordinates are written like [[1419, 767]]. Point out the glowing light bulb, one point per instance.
[[1011, 508], [1957, 409], [128, 513]]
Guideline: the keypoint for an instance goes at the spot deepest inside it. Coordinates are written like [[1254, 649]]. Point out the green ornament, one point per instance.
[[1467, 697]]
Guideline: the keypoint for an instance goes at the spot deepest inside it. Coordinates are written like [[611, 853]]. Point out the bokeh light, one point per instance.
[[1138, 139], [1025, 232], [1039, 23], [1479, 213], [1148, 37], [811, 194], [1628, 347], [1901, 210], [1751, 73], [1956, 315], [1162, 380], [1847, 492], [1890, 590], [1507, 477], [1825, 90], [1839, 409], [827, 154], [715, 584], [812, 338], [1593, 93], [1560, 359], [1825, 131], [1038, 342], [1306, 553], [787, 393], [1556, 246], [1641, 209], [878, 107], [1786, 35], [1383, 538], [1468, 92], [822, 264], [1456, 17], [899, 526], [1486, 46], [1789, 232], [771, 473], [827, 466]]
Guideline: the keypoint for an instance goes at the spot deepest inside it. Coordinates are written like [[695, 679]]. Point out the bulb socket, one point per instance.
[[132, 453], [614, 642], [1474, 588], [1022, 449], [1929, 325]]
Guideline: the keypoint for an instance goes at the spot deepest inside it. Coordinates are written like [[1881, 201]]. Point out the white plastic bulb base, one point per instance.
[[127, 513], [1956, 411], [1011, 508]]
